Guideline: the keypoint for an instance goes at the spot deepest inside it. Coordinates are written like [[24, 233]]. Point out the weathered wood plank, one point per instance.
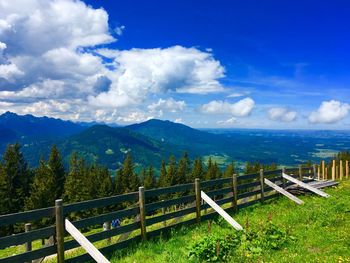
[[106, 217], [101, 202], [161, 218], [26, 216], [306, 186], [157, 205], [31, 255], [284, 192], [85, 243], [215, 182], [21, 238], [104, 234], [169, 190], [222, 212]]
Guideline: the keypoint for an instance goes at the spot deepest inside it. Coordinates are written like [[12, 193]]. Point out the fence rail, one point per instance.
[[181, 200]]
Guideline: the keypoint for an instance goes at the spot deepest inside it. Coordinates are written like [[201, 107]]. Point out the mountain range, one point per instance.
[[152, 141], [149, 142]]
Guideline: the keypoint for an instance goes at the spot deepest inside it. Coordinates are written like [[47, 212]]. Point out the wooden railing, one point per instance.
[[148, 206]]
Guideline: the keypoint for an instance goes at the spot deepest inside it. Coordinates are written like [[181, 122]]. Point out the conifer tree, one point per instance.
[[171, 171], [150, 180], [42, 188], [197, 171], [181, 173], [57, 168], [104, 185], [211, 172], [4, 192], [230, 170], [18, 177], [163, 175], [77, 186], [119, 187]]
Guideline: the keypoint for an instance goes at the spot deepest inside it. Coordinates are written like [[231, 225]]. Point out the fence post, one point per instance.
[[234, 193], [28, 245], [323, 170], [318, 173], [106, 227], [341, 171], [300, 173], [142, 212], [163, 213], [333, 171], [197, 187], [314, 170], [347, 169], [59, 230], [283, 179], [262, 185]]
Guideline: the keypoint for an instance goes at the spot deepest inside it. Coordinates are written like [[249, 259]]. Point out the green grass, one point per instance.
[[321, 228]]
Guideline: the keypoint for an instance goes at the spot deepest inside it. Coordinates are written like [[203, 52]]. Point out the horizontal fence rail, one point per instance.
[[149, 212]]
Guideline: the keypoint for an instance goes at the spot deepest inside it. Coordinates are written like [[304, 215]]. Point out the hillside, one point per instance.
[[108, 146], [293, 234], [186, 138]]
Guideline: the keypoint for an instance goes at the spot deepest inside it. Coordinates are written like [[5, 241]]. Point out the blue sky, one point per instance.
[[250, 64]]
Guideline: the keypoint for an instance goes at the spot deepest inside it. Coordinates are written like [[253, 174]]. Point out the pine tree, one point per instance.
[[57, 168], [181, 173], [119, 187], [77, 186], [171, 171], [197, 171], [129, 179], [162, 176], [42, 188], [211, 171], [4, 192], [104, 185], [150, 180], [18, 177], [230, 170]]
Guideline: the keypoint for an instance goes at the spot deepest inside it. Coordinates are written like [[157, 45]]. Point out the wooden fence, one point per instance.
[[146, 207]]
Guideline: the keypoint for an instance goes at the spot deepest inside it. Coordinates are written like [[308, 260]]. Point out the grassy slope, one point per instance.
[[321, 226]]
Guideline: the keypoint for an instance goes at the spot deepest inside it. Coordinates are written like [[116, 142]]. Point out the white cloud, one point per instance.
[[330, 112], [228, 121], [135, 117], [10, 72], [236, 95], [282, 114], [241, 108], [169, 105], [179, 120], [119, 30], [140, 72], [51, 51]]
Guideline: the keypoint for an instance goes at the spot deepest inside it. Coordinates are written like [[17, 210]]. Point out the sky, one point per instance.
[[207, 64]]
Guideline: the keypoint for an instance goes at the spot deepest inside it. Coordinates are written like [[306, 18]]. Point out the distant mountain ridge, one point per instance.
[[149, 142]]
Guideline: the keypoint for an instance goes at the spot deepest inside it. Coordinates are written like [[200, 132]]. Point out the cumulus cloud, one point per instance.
[[136, 116], [140, 72], [282, 114], [330, 112], [51, 50], [241, 108], [169, 105]]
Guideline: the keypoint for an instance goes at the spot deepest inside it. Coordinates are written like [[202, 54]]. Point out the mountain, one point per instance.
[[186, 138], [35, 134], [108, 146], [29, 125]]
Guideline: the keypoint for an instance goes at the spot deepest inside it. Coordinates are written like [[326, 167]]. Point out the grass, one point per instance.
[[321, 228]]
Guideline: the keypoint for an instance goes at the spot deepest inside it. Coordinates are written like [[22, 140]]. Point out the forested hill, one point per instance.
[[149, 142]]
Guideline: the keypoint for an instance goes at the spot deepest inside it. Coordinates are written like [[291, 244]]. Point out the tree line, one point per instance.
[[23, 188]]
